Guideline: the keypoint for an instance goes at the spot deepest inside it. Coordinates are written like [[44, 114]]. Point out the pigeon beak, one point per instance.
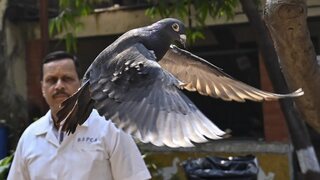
[[183, 40]]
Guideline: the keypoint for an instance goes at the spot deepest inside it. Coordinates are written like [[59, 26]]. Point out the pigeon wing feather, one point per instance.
[[199, 75], [145, 100]]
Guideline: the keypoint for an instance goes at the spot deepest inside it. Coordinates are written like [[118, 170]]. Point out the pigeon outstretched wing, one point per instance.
[[145, 100], [199, 75], [135, 82]]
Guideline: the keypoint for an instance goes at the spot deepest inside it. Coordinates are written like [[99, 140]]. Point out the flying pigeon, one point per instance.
[[137, 80]]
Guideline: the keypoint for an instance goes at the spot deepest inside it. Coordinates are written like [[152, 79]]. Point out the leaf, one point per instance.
[[194, 34], [71, 9], [202, 10], [78, 26], [71, 42], [52, 27], [7, 160], [67, 20], [4, 166]]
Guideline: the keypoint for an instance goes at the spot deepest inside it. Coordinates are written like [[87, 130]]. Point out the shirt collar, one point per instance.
[[44, 124], [47, 124]]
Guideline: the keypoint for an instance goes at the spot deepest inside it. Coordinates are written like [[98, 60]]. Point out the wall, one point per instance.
[[274, 159]]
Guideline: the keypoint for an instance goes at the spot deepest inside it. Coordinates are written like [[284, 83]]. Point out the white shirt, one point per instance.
[[97, 150]]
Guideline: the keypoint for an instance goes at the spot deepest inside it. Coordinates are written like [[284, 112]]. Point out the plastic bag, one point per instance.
[[241, 168]]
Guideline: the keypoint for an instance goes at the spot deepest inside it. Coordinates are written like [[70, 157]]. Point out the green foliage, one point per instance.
[[198, 10], [194, 34], [67, 20], [202, 9], [4, 166]]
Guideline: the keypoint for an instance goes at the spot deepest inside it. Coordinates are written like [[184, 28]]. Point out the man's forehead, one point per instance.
[[64, 65]]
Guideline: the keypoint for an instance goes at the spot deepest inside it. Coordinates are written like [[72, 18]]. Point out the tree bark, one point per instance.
[[13, 109], [298, 132], [287, 23]]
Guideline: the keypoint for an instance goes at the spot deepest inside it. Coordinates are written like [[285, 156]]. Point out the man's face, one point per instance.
[[59, 81]]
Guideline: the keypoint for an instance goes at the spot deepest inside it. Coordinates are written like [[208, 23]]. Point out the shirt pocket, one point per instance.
[[90, 159]]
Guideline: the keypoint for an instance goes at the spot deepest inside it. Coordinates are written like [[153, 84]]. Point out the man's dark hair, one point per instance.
[[59, 55]]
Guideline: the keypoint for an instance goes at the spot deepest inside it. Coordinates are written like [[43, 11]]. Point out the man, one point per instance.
[[97, 150]]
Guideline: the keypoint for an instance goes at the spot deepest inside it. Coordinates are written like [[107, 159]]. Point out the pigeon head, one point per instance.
[[174, 29], [164, 33]]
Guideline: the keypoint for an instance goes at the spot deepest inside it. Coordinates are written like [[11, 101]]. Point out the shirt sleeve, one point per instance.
[[125, 158], [18, 167]]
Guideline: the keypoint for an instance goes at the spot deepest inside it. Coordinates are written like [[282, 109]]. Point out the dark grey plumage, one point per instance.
[[136, 83]]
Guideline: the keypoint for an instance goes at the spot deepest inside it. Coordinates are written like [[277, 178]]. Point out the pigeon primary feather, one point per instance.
[[136, 82]]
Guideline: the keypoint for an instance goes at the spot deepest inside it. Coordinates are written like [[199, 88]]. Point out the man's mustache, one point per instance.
[[60, 92]]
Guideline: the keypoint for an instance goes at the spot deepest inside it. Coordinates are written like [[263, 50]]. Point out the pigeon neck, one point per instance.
[[160, 48]]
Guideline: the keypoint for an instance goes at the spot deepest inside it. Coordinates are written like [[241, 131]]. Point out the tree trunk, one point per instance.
[[13, 109], [287, 24], [298, 132]]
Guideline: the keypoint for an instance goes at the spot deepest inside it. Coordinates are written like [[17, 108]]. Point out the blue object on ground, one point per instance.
[[3, 141]]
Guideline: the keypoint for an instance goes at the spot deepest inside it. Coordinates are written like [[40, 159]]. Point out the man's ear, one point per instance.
[[41, 83]]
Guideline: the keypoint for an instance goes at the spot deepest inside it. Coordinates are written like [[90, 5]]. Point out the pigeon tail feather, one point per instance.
[[76, 109]]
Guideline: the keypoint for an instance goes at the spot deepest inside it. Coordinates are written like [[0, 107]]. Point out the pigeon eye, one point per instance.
[[175, 27]]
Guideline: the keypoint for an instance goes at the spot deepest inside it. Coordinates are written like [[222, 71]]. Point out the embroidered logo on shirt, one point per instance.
[[87, 139]]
